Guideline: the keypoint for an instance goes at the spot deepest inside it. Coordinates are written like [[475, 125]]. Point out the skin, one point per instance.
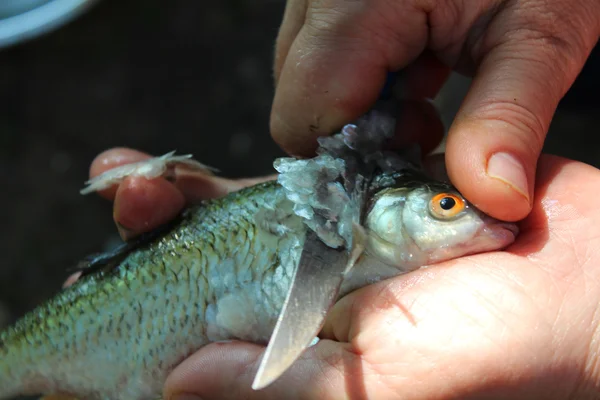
[[523, 56], [516, 324], [522, 323]]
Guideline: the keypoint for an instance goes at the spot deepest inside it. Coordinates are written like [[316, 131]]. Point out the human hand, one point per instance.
[[522, 323], [141, 205], [332, 58]]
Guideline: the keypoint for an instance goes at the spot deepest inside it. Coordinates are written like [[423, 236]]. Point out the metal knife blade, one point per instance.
[[314, 289]]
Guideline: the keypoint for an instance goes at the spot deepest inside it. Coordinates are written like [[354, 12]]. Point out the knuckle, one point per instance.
[[458, 25], [564, 48], [527, 125], [373, 29], [558, 33], [558, 28], [327, 16]]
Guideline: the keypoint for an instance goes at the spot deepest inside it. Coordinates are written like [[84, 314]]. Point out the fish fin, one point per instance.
[[101, 261], [149, 169], [359, 242], [111, 259]]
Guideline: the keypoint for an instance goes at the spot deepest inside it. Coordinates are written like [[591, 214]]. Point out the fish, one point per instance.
[[222, 269]]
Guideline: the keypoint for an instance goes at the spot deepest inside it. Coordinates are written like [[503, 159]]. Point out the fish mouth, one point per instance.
[[503, 232], [511, 227]]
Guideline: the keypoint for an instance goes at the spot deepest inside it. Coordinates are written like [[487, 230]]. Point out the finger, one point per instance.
[[113, 158], [494, 143], [210, 370], [368, 305], [142, 205], [194, 185], [227, 370], [293, 19], [337, 65], [72, 279]]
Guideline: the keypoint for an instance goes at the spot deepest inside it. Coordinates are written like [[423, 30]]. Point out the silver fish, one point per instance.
[[222, 271]]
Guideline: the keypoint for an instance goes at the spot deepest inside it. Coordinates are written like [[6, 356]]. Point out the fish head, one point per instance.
[[420, 222]]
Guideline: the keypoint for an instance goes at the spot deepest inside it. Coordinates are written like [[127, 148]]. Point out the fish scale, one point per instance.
[[176, 292], [222, 271]]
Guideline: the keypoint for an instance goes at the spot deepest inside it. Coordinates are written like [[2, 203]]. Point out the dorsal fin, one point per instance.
[[110, 259]]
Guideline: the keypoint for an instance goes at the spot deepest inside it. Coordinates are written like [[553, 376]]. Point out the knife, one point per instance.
[[315, 286]]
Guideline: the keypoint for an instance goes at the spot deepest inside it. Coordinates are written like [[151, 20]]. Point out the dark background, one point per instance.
[[158, 76]]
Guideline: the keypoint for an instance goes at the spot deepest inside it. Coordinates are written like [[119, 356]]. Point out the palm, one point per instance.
[[522, 317], [519, 323]]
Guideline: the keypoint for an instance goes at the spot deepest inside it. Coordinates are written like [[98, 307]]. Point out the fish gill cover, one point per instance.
[[329, 190]]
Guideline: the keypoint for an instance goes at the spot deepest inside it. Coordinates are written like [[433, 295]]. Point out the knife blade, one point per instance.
[[315, 287]]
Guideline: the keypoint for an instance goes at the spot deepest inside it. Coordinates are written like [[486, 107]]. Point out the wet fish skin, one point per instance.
[[220, 273]]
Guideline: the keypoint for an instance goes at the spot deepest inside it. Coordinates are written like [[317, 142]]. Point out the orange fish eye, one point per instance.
[[446, 205]]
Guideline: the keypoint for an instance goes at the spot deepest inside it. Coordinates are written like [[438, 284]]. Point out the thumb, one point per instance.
[[494, 144], [336, 65], [227, 370], [212, 371]]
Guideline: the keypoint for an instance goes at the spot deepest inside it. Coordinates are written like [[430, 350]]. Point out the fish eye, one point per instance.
[[446, 205]]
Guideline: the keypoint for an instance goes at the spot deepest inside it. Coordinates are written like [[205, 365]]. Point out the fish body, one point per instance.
[[223, 269], [222, 272]]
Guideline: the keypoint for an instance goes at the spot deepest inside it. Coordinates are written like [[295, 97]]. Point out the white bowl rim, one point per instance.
[[40, 20]]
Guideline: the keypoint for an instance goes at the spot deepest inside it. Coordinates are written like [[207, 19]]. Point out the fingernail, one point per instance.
[[185, 396], [508, 169], [124, 232], [72, 279]]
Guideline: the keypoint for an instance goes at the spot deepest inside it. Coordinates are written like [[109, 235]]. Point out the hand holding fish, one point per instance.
[[141, 204], [516, 324], [524, 55]]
